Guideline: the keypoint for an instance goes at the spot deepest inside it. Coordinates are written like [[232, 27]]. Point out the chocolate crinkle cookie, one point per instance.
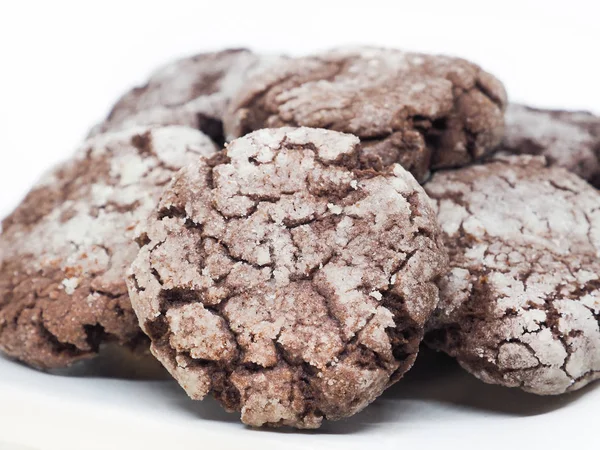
[[569, 139], [521, 304], [192, 91], [289, 283], [65, 250], [421, 111]]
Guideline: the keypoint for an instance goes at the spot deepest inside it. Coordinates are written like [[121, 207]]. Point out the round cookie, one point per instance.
[[65, 250], [569, 139], [192, 91], [521, 304], [289, 283], [421, 111]]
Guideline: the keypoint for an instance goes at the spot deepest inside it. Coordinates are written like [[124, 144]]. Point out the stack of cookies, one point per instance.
[[285, 234]]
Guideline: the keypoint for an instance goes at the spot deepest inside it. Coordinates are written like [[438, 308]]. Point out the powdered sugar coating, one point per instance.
[[192, 91], [64, 251], [284, 280], [569, 139], [521, 305], [421, 111]]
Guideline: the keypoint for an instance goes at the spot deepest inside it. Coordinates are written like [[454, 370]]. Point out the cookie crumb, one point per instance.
[[70, 284], [376, 295], [335, 209]]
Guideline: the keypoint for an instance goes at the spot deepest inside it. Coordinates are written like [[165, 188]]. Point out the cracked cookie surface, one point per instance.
[[65, 250], [289, 283], [421, 111], [569, 139], [192, 91], [521, 304]]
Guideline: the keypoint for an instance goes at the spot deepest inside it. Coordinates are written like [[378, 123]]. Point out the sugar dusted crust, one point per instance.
[[65, 250], [421, 111], [521, 305], [284, 280], [569, 139], [192, 91]]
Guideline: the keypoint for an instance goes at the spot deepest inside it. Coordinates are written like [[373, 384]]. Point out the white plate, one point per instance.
[[437, 403]]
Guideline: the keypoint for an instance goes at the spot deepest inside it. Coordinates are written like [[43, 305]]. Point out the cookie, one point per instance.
[[521, 305], [569, 139], [65, 250], [421, 111], [292, 285], [193, 92]]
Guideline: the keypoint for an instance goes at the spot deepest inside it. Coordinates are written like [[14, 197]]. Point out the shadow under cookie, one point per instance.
[[438, 378]]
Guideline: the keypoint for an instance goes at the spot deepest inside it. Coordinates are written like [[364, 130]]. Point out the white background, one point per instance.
[[62, 64]]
